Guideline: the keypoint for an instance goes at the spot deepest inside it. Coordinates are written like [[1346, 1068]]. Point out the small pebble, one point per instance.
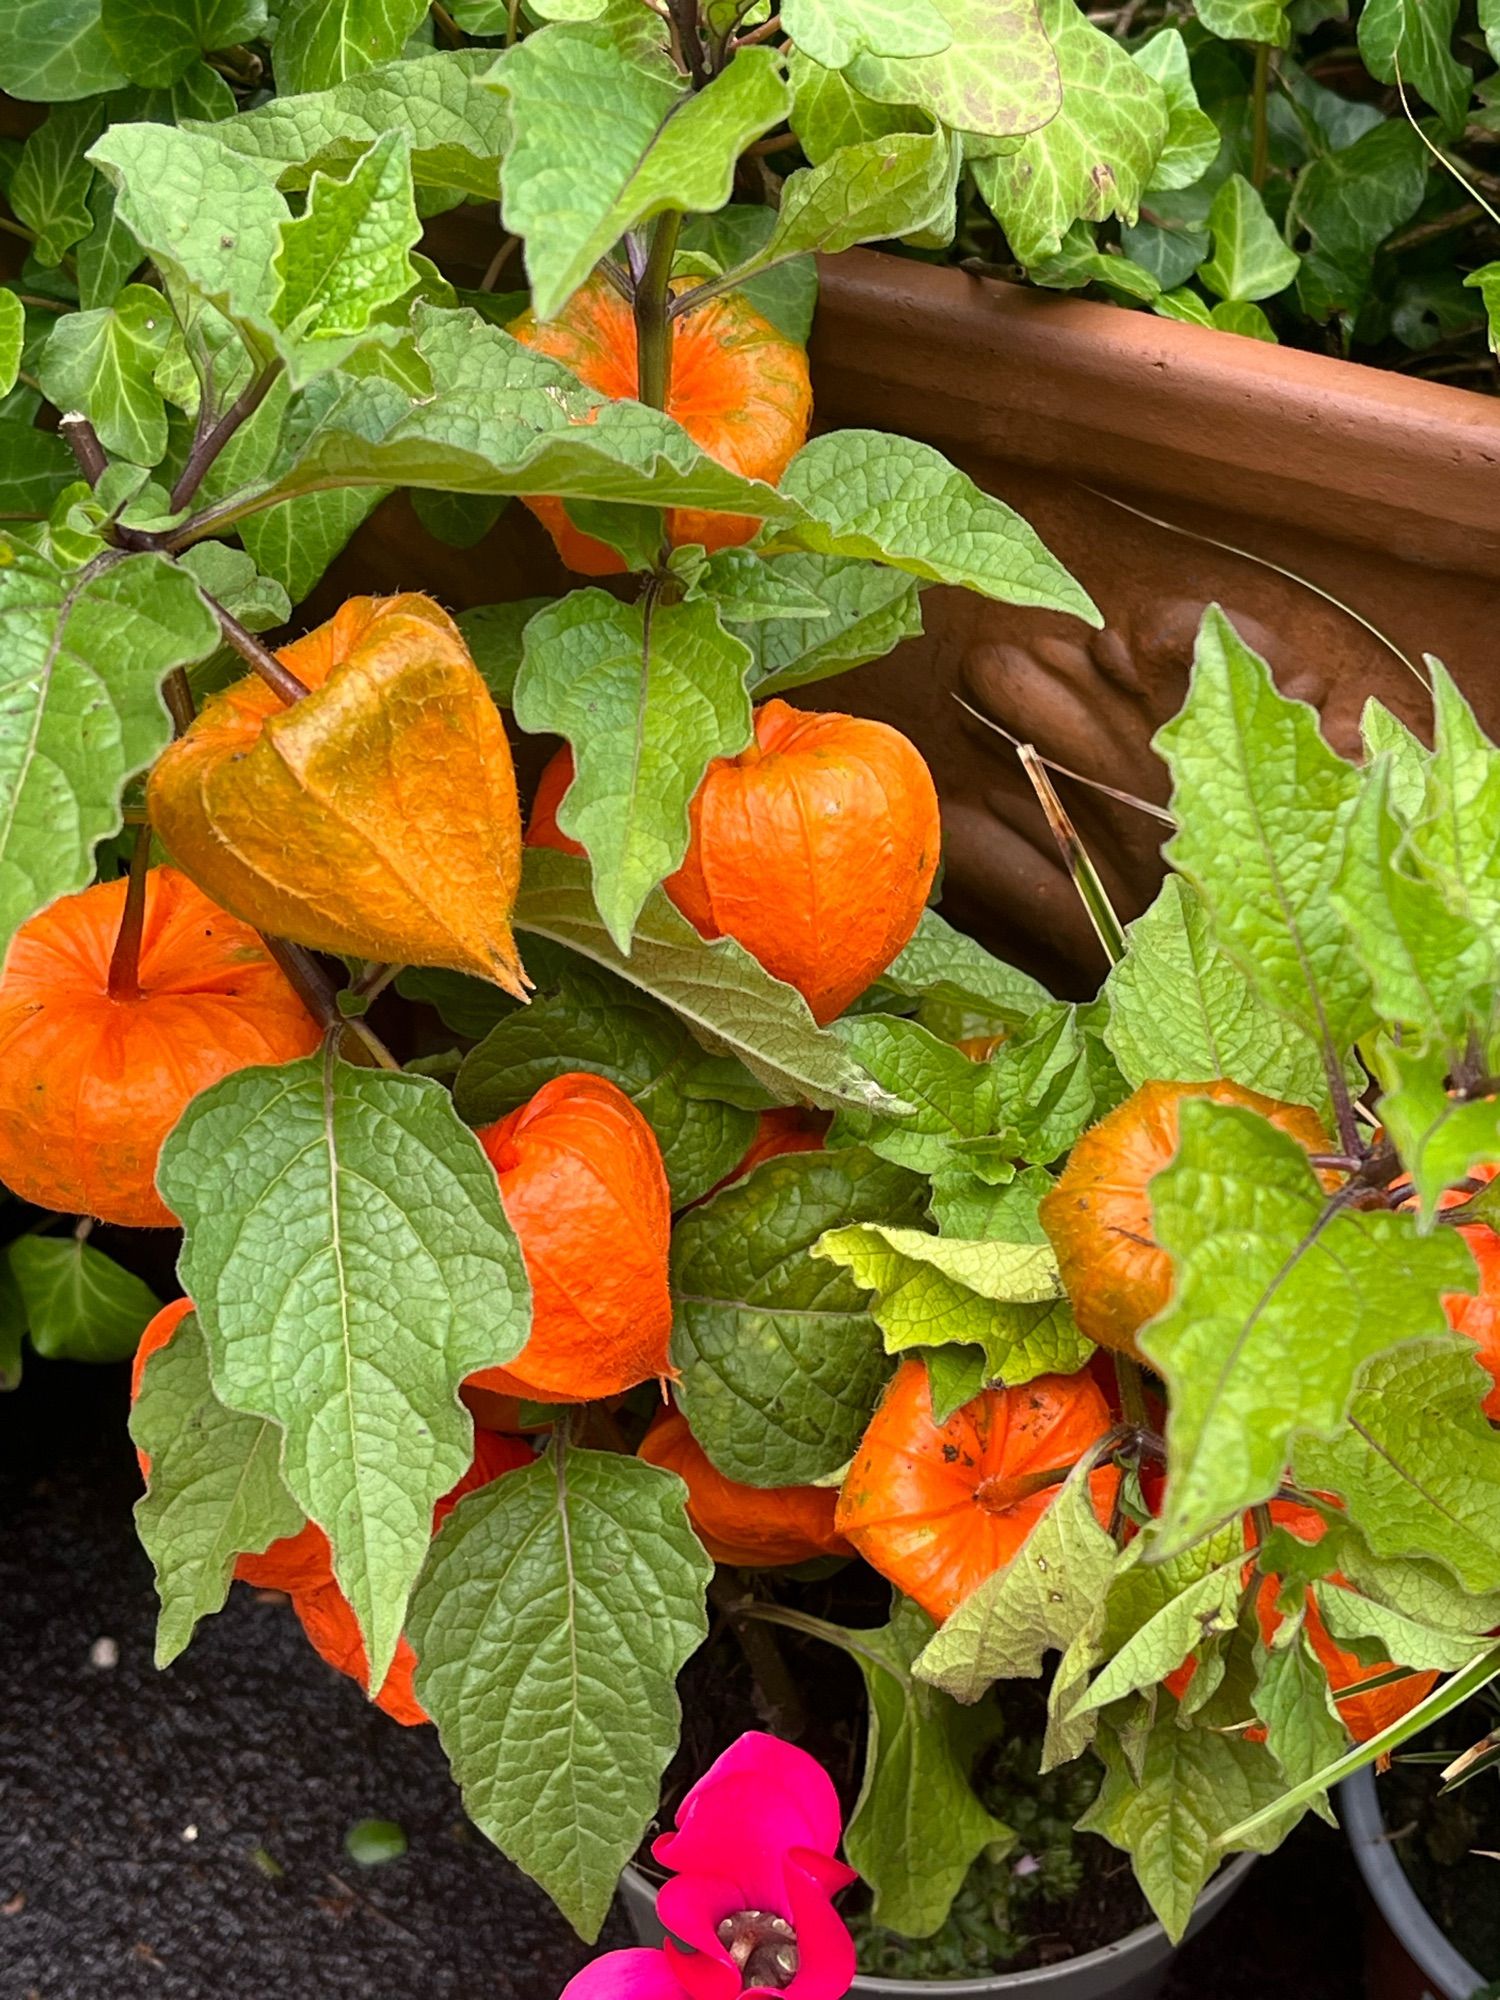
[[104, 1653], [190, 1834]]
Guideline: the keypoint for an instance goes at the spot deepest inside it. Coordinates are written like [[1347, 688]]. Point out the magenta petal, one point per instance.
[[765, 1763], [826, 1962], [625, 1975]]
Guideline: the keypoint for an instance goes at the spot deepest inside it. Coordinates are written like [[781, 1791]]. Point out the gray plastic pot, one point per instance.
[[1406, 1955], [1133, 1968]]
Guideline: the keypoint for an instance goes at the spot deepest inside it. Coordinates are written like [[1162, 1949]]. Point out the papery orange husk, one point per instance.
[[1099, 1213], [91, 1085], [751, 1527], [925, 1504], [584, 1188], [377, 816], [815, 848], [740, 389]]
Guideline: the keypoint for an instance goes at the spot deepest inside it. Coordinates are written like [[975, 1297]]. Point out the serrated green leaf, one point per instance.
[[1095, 158], [1262, 805], [970, 1210], [1276, 1306], [781, 1359], [1380, 1634], [866, 610], [50, 188], [917, 1825], [351, 1264], [104, 362], [321, 42], [1458, 825], [12, 340], [1181, 1011], [294, 543], [997, 76], [829, 113], [52, 51], [751, 589], [347, 255], [1250, 260], [1040, 1602], [893, 500], [1192, 142], [1054, 1078], [725, 997], [80, 712], [1157, 1614], [215, 1489], [1006, 1299], [834, 32], [1418, 1463], [156, 42], [1246, 20], [654, 146], [1347, 203], [951, 1100], [647, 694], [1413, 40], [231, 579], [581, 1017], [553, 1616], [944, 967], [80, 1305]]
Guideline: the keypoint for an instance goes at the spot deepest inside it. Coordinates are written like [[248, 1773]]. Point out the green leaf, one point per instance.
[[322, 1203], [104, 362], [718, 989], [1262, 805], [1379, 1634], [1250, 260], [647, 694], [581, 1017], [156, 42], [752, 589], [893, 500], [12, 340], [1412, 40], [231, 578], [1181, 1011], [1192, 141], [80, 1305], [1459, 829], [866, 609], [295, 542], [944, 967], [50, 188], [107, 256], [893, 186], [371, 1842], [215, 1489], [1239, 316], [494, 634], [781, 1359], [1277, 1304], [35, 468], [917, 1826], [1168, 1807], [1347, 203], [788, 295], [998, 75], [1294, 1704], [1487, 281], [1158, 1613], [950, 1100], [1055, 1078], [1440, 1137], [52, 51], [80, 713], [1246, 20], [1080, 262], [12, 1331], [834, 32], [1004, 1298], [555, 1611], [653, 145], [1041, 1601], [321, 42], [829, 113], [1418, 1463], [1095, 158]]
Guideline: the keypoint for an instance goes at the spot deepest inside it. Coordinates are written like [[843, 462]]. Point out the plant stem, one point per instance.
[[177, 693], [281, 680], [684, 17], [1260, 158], [1085, 877], [125, 960], [653, 323], [763, 1657], [79, 435], [212, 440], [304, 973], [1132, 1388]]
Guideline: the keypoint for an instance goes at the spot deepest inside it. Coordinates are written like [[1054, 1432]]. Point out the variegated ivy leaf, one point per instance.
[[158, 45], [104, 362], [1192, 141], [53, 51], [997, 76], [351, 1264], [834, 32], [321, 42], [49, 190], [1251, 260], [1413, 40], [1246, 20], [12, 340]]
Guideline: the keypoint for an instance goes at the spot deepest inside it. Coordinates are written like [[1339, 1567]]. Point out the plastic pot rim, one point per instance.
[[1393, 1895]]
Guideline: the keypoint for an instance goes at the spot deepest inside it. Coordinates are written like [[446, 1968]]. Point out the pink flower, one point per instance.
[[749, 1910]]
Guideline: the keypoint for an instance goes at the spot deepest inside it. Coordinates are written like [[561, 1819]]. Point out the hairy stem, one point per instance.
[[212, 437], [125, 960], [304, 973], [653, 321], [177, 693], [281, 680]]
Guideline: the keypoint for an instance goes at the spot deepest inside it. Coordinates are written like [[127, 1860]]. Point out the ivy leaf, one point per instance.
[[1246, 20], [80, 1305], [917, 1825], [1277, 1305], [158, 44], [654, 145], [556, 1609], [866, 609], [12, 340], [893, 186], [1181, 1011], [1262, 805], [829, 113], [951, 1100], [80, 713], [893, 500], [997, 76], [52, 51], [1417, 1462], [943, 967], [1168, 1804], [108, 254], [1347, 203], [321, 1202], [1412, 40], [36, 467], [1095, 158], [581, 1017], [215, 1490], [647, 694], [834, 32], [1193, 140], [104, 362], [1486, 281], [1040, 1602], [1006, 1299], [50, 188], [1250, 260], [781, 1360], [321, 42], [718, 989]]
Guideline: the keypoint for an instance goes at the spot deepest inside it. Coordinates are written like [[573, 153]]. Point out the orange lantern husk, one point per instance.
[[750, 1527]]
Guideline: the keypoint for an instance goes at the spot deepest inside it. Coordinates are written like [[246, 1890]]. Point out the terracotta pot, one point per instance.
[[1325, 476], [1406, 1956]]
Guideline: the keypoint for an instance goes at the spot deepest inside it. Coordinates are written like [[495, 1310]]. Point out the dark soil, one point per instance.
[[1447, 1844], [179, 1835]]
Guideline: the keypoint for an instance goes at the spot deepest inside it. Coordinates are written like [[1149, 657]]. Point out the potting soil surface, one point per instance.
[[180, 1835]]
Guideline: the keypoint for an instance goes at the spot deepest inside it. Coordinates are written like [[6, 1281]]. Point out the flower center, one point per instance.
[[762, 1945]]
